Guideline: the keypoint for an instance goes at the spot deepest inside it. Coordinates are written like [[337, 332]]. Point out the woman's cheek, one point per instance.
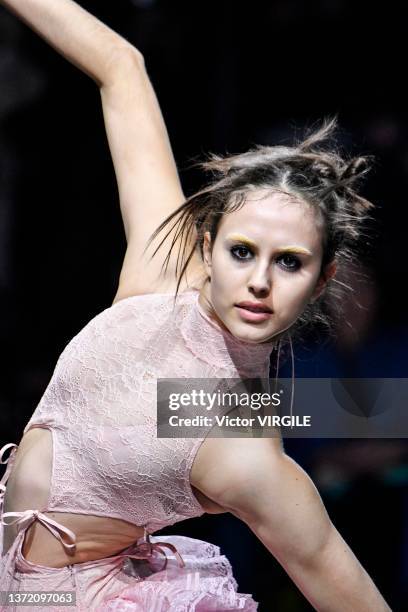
[[291, 300]]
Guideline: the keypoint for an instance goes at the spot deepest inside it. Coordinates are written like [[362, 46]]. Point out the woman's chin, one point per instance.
[[251, 336]]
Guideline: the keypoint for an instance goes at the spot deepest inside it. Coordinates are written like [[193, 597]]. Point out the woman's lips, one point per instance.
[[250, 315]]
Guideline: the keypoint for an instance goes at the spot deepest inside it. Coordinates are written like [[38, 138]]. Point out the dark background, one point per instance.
[[228, 75]]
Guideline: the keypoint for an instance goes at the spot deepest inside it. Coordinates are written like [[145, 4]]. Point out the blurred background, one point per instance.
[[228, 75]]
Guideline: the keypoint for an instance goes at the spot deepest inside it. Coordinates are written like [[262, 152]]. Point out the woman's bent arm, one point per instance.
[[148, 182], [275, 497], [81, 38]]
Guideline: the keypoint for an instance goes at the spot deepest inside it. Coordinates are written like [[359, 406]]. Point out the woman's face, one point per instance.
[[268, 253]]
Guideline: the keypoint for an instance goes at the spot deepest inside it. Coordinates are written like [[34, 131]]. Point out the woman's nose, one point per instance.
[[259, 283]]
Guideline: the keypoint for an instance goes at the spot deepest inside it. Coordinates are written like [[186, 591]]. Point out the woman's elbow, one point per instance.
[[124, 59], [132, 57]]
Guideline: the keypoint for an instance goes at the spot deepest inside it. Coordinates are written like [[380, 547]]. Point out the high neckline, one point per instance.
[[219, 347]]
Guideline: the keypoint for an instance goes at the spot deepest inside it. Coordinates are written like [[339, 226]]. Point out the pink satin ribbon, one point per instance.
[[7, 472], [23, 519], [147, 547], [26, 517]]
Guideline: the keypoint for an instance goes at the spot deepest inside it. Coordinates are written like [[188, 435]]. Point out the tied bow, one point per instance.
[[23, 519], [145, 549]]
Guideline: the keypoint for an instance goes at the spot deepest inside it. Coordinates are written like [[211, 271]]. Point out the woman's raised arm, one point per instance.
[[74, 33], [148, 181]]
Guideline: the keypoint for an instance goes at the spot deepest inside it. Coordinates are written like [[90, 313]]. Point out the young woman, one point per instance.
[[90, 480]]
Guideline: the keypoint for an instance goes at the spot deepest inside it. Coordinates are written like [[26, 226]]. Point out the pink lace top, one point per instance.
[[100, 406]]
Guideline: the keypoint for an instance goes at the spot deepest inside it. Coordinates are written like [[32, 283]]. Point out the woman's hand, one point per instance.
[[275, 497]]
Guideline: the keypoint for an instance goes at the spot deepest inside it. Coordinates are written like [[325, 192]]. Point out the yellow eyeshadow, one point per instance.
[[288, 249], [242, 238], [295, 249]]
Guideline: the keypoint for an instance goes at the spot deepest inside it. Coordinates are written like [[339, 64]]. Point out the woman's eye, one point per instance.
[[291, 263], [240, 252]]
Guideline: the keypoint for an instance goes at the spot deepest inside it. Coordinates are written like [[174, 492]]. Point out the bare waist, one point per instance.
[[96, 537]]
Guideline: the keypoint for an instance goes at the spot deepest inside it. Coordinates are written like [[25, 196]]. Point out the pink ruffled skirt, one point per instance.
[[205, 583]]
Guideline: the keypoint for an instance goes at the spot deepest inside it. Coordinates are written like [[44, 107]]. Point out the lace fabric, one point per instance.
[[100, 405]]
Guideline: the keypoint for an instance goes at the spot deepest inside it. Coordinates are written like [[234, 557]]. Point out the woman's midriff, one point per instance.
[[28, 489], [96, 537]]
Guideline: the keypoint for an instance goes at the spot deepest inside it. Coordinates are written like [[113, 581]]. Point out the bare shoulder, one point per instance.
[[224, 467]]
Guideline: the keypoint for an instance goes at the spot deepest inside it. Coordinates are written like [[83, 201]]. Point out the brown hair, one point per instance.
[[320, 176]]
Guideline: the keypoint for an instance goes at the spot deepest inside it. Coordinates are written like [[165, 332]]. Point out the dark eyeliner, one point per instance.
[[295, 259], [297, 262], [239, 246]]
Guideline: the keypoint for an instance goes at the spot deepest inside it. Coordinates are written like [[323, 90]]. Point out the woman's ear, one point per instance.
[[328, 273], [207, 253]]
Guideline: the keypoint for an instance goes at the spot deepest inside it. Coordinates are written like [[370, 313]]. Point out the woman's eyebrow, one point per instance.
[[294, 248], [242, 238], [290, 248]]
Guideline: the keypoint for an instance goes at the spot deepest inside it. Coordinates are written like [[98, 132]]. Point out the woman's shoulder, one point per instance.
[[155, 296], [142, 307], [132, 321]]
